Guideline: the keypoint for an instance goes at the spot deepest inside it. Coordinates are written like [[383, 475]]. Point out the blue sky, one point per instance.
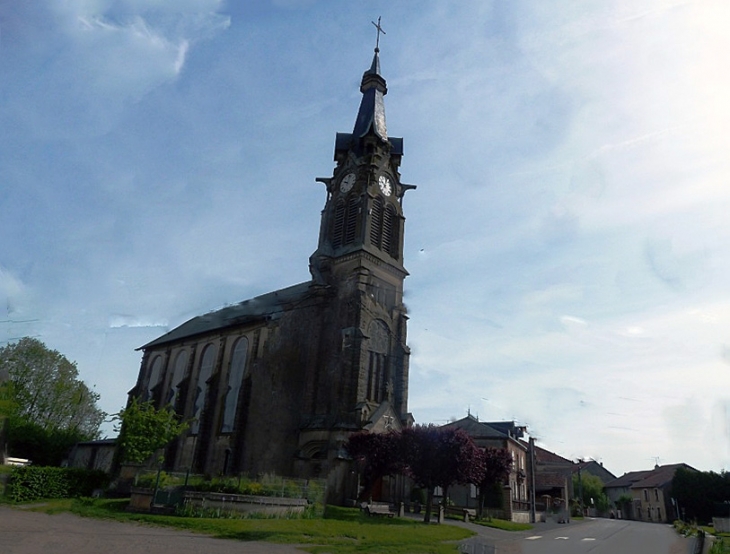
[[568, 242]]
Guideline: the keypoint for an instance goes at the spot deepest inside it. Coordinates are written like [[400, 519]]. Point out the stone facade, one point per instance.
[[650, 493], [277, 383]]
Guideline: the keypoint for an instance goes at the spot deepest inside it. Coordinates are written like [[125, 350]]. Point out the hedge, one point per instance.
[[31, 483]]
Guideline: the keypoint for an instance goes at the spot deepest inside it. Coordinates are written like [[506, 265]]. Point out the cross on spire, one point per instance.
[[380, 30]]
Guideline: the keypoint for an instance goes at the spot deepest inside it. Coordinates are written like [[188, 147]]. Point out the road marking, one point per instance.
[[561, 538], [533, 538], [588, 539]]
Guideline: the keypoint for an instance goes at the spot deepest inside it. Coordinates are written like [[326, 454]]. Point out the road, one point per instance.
[[605, 536], [24, 532]]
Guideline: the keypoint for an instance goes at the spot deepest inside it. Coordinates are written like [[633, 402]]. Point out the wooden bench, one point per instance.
[[455, 511], [378, 510]]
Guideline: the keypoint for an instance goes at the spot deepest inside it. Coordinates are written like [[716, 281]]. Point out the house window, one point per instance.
[[646, 495], [656, 494], [235, 378], [472, 491], [178, 374], [201, 392], [659, 514]]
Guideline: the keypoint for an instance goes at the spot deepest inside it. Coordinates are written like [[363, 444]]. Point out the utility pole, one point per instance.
[[532, 480], [580, 490]]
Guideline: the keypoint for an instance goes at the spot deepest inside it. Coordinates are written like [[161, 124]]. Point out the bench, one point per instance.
[[378, 510], [455, 511]]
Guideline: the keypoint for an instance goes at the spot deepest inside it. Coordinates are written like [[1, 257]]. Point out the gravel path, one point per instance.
[[24, 532]]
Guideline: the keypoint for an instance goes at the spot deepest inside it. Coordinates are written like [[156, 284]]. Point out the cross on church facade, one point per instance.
[[380, 30]]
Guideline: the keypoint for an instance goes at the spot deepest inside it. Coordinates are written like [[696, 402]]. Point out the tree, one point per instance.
[[593, 493], [47, 407], [495, 465], [377, 454], [700, 492], [439, 457], [143, 430]]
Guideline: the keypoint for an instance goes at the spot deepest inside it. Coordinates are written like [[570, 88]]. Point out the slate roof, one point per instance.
[[627, 479], [476, 429], [596, 469], [659, 477], [651, 478], [262, 307]]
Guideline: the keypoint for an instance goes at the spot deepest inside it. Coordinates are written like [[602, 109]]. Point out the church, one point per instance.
[[277, 383]]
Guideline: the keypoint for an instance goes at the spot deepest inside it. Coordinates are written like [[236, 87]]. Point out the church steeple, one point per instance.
[[371, 115], [363, 216]]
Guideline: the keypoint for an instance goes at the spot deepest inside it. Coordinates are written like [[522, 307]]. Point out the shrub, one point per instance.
[[31, 483]]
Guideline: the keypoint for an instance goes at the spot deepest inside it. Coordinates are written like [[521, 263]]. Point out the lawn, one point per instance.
[[341, 531], [503, 524]]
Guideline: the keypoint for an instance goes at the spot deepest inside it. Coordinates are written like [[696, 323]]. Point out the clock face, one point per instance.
[[347, 182], [385, 187]]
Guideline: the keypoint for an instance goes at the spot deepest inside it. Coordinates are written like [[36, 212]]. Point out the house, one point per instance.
[[645, 495], [495, 435], [553, 485], [553, 482]]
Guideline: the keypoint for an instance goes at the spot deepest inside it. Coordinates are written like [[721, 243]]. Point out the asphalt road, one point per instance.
[[606, 536]]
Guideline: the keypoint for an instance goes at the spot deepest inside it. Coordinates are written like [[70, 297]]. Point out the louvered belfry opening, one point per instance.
[[344, 226]]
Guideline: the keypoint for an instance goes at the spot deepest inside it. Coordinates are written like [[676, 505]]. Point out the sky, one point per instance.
[[568, 243]]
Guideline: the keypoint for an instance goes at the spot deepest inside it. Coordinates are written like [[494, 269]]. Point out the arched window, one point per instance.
[[378, 347], [178, 374], [235, 378], [154, 379], [201, 392]]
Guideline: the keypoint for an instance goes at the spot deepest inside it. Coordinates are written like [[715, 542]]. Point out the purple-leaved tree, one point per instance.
[[495, 465], [438, 457], [377, 456]]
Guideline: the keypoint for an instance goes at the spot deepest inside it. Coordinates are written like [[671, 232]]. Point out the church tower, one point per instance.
[[359, 259]]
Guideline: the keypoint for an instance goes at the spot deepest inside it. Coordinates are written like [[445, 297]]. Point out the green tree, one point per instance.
[[46, 406], [593, 494], [700, 492], [144, 429]]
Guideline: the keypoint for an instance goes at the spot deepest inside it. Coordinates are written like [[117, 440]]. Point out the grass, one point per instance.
[[341, 531], [503, 524]]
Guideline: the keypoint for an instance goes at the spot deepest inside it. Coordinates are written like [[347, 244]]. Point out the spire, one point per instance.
[[371, 114]]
